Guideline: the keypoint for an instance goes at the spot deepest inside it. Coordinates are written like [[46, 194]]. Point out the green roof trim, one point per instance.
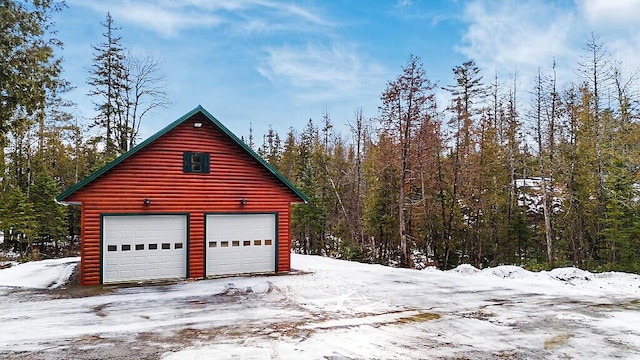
[[215, 122]]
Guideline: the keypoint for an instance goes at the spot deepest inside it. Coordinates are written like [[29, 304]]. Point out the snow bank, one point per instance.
[[508, 272], [45, 274], [49, 274], [466, 269], [570, 274], [610, 281]]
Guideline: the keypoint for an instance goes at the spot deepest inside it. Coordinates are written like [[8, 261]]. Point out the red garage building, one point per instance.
[[189, 202]]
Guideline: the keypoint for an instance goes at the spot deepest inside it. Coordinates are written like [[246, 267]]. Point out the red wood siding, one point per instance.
[[156, 172]]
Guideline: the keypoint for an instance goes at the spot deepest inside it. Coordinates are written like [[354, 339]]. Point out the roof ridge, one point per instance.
[[198, 109]]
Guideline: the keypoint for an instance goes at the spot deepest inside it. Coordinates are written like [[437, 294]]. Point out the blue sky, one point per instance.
[[279, 63]]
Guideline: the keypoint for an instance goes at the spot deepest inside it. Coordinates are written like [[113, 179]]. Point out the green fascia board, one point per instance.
[[215, 122]]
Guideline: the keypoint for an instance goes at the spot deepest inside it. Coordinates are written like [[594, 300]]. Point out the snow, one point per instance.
[[330, 309], [45, 274]]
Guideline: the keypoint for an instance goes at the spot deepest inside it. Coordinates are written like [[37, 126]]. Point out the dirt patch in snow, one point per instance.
[[94, 347], [556, 341]]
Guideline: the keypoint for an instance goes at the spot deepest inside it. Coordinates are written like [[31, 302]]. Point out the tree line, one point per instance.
[[491, 179], [44, 148], [542, 176]]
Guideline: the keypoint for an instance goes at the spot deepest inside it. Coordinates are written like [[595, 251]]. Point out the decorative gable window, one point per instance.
[[196, 162]]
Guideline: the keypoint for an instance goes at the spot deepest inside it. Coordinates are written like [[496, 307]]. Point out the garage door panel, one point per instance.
[[143, 247], [237, 243]]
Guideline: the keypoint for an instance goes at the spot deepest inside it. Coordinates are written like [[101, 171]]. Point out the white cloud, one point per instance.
[[238, 16], [330, 72], [510, 37], [511, 34], [507, 35], [610, 13], [164, 21], [616, 25], [279, 7]]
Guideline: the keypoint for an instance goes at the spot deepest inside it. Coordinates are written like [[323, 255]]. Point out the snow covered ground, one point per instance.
[[46, 274], [331, 310]]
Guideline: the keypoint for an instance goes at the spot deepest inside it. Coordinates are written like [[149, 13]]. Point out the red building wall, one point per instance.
[[156, 172]]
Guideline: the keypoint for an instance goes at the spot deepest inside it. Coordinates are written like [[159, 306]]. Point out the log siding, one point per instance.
[[155, 172]]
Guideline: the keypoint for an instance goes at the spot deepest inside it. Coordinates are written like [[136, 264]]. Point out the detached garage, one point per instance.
[[189, 202]]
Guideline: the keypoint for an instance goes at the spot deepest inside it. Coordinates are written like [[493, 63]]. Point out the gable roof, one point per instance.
[[217, 124]]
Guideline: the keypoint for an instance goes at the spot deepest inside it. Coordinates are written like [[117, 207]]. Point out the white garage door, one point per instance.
[[240, 243], [144, 247]]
